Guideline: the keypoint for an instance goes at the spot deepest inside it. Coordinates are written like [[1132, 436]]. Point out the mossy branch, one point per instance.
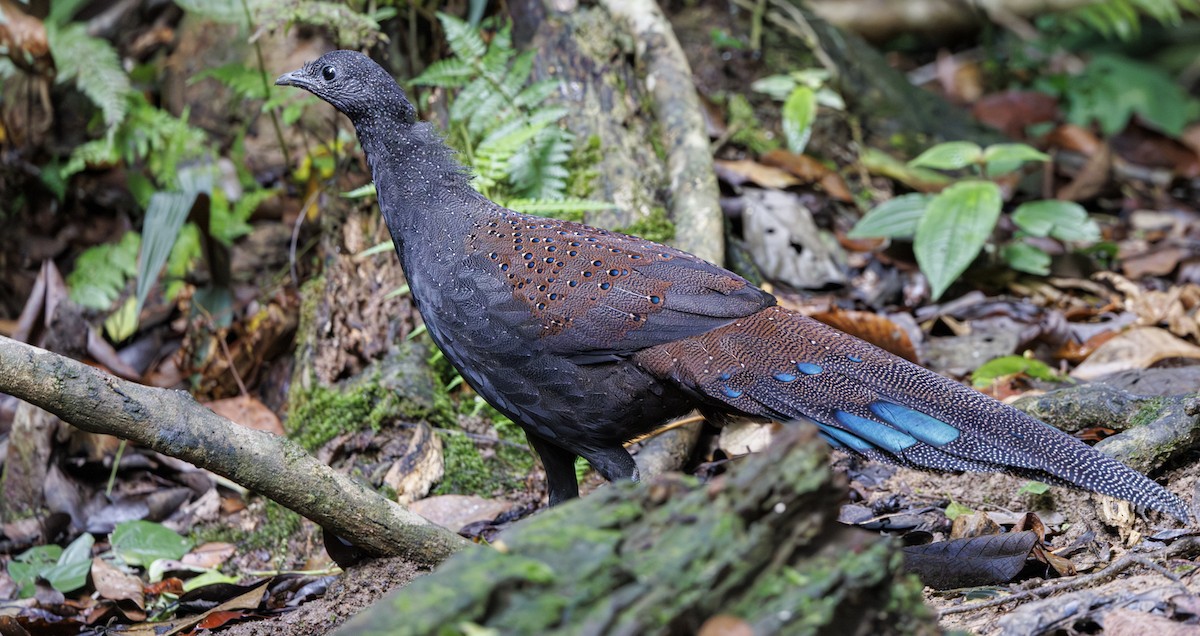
[[172, 423]]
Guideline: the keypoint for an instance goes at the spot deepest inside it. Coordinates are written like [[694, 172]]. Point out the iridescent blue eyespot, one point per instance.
[[808, 368]]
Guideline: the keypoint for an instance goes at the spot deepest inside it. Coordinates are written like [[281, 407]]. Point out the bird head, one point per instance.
[[354, 84]]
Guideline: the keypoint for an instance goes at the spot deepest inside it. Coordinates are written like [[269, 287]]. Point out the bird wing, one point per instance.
[[597, 295]]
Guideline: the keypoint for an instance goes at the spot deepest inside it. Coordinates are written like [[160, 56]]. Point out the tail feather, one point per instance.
[[785, 366]]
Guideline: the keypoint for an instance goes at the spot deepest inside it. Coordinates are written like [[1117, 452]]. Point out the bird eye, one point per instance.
[[328, 72]]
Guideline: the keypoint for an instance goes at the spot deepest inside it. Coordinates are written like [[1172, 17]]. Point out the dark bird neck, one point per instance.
[[424, 192]]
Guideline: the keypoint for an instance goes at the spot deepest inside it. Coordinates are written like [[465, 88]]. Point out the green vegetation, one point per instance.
[[950, 229], [1008, 366], [498, 119], [656, 226], [801, 92]]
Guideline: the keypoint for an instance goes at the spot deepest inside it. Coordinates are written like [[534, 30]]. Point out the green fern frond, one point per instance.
[[448, 73], [498, 119], [463, 39], [537, 169], [492, 109], [92, 153], [102, 271], [467, 102], [162, 140], [547, 115], [95, 68], [242, 80], [536, 93], [1121, 19], [223, 11], [518, 75]]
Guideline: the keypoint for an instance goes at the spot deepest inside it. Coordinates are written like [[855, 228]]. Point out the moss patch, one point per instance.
[[656, 226], [399, 387], [325, 412], [276, 527], [1149, 410], [482, 467], [583, 170], [747, 131]]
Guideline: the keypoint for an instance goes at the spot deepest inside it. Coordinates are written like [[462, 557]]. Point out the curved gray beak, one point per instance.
[[293, 78]]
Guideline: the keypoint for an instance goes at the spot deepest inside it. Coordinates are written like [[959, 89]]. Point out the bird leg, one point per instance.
[[560, 469]]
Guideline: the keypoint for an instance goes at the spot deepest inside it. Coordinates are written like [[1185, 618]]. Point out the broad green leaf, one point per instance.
[[225, 11], [71, 571], [777, 86], [953, 230], [798, 113], [244, 81], [378, 248], [142, 542], [896, 218], [208, 577], [1013, 152], [541, 208], [1063, 220], [952, 155], [27, 566], [811, 77], [956, 510], [1034, 488], [1005, 366], [123, 322], [830, 98], [1024, 257]]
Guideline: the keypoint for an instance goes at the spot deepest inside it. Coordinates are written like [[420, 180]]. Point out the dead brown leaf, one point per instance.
[[875, 329], [22, 34], [1092, 179], [1135, 349], [1074, 138], [1013, 111], [725, 625], [745, 171], [1128, 622], [1178, 307], [114, 584], [1156, 261], [209, 555], [420, 465], [810, 170], [249, 412]]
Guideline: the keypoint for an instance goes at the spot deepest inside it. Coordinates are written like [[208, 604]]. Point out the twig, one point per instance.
[[1183, 547], [172, 423]]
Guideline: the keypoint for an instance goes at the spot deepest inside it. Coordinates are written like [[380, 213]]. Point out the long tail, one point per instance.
[[784, 366]]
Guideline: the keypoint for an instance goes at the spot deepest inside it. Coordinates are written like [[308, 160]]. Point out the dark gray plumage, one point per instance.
[[588, 338]]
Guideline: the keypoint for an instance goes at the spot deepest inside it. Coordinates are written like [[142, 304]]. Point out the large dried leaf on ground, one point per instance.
[[249, 412], [1135, 349], [786, 244], [987, 560], [745, 171], [874, 328]]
